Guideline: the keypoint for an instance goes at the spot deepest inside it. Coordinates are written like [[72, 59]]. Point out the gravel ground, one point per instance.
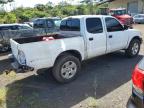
[[119, 97], [104, 82]]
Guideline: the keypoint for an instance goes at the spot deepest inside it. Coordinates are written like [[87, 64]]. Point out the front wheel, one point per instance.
[[66, 68], [133, 49]]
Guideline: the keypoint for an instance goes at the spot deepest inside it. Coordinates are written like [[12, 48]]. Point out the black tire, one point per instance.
[[129, 51], [57, 69]]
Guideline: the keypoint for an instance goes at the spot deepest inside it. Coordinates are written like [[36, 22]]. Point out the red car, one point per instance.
[[122, 15], [137, 98]]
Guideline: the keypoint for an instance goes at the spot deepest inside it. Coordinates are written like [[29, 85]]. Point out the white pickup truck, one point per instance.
[[81, 38]]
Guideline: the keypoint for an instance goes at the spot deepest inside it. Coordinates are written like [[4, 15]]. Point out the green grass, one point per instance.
[[16, 97]]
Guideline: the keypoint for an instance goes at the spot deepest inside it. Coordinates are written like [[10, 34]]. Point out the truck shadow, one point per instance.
[[4, 65], [98, 77], [4, 53]]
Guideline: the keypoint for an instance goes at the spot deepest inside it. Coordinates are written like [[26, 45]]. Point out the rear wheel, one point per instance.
[[133, 48], [66, 68]]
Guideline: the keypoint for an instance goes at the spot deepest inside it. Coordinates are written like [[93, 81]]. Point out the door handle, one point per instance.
[[110, 36], [90, 39]]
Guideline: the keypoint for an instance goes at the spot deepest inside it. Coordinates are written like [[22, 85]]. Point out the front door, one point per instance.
[[117, 37], [96, 37]]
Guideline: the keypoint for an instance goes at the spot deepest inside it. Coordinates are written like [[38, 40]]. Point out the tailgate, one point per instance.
[[14, 47]]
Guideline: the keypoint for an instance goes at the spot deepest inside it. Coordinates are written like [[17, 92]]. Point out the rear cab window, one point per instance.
[[70, 24], [94, 25], [141, 64]]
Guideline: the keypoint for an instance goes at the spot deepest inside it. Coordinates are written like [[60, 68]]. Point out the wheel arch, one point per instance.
[[72, 52], [136, 37]]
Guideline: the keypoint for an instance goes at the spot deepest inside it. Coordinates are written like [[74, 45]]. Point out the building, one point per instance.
[[133, 6]]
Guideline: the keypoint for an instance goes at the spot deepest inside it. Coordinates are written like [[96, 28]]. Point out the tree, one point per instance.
[[88, 1], [63, 3], [83, 9], [10, 18], [40, 7], [5, 1], [90, 4], [63, 9]]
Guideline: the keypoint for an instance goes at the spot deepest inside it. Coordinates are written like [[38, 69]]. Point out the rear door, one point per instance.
[[117, 37], [96, 37]]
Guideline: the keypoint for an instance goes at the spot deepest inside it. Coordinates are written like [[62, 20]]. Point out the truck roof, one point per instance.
[[46, 18], [14, 24], [86, 16]]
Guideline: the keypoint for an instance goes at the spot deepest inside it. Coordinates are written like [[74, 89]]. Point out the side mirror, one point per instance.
[[125, 27]]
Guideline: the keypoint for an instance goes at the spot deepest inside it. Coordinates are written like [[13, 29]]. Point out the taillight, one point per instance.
[[138, 79], [47, 38]]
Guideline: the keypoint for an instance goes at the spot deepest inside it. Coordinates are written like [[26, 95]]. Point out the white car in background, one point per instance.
[[139, 18]]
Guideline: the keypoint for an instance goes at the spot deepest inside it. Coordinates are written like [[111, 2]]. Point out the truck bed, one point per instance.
[[40, 53], [39, 38]]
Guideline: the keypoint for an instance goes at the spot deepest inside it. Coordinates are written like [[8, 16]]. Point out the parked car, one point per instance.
[[139, 19], [137, 98], [47, 23], [81, 38], [8, 31], [122, 15], [14, 27]]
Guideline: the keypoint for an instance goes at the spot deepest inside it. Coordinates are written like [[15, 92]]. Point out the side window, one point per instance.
[[4, 28], [70, 25], [63, 25], [20, 27], [24, 27], [75, 25], [113, 25], [50, 24], [40, 23], [94, 25], [137, 16]]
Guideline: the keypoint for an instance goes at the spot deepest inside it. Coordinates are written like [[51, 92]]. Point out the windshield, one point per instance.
[[141, 64], [118, 12]]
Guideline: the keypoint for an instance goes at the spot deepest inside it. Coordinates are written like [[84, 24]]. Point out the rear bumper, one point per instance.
[[17, 66], [136, 100]]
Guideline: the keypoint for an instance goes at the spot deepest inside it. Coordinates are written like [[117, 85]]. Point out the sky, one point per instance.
[[32, 3]]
